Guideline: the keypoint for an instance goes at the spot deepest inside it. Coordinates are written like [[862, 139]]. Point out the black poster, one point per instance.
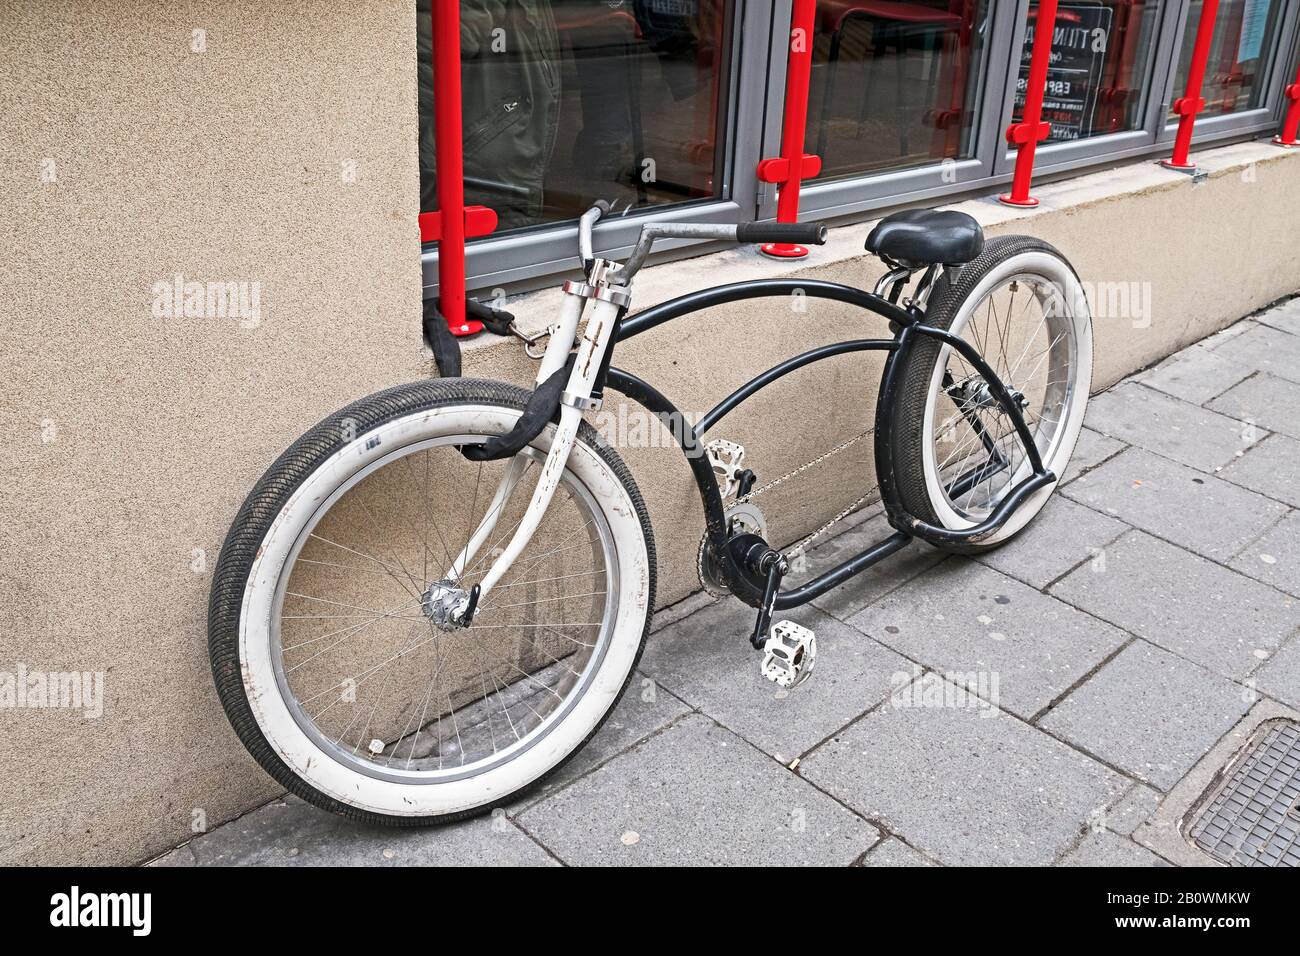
[[1079, 45]]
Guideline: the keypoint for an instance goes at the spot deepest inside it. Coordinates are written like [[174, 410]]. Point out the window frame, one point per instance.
[[757, 58], [1125, 144], [875, 190], [1210, 129], [534, 257]]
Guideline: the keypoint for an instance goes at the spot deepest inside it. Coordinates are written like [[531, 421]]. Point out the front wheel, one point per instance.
[[331, 655], [954, 452]]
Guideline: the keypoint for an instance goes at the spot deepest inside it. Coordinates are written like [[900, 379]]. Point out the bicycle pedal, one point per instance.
[[789, 654], [727, 460]]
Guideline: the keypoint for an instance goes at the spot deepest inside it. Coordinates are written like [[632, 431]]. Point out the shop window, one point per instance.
[[1100, 69], [1244, 35], [568, 101], [895, 84]]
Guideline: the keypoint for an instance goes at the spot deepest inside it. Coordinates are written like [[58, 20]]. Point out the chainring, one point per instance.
[[747, 526]]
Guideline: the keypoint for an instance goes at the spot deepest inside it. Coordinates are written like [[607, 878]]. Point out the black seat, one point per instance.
[[921, 237]]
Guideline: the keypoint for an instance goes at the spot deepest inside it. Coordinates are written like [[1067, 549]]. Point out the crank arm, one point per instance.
[[776, 566]]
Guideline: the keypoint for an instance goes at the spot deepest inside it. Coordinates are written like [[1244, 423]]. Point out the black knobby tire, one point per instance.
[[905, 431], [269, 497]]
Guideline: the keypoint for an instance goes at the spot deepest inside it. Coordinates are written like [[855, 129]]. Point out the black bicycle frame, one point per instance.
[[910, 325]]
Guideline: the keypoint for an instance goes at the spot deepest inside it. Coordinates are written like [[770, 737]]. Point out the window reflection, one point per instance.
[[1244, 31], [894, 84], [567, 101], [1100, 67]]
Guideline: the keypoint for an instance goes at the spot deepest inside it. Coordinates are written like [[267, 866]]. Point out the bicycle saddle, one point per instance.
[[920, 237]]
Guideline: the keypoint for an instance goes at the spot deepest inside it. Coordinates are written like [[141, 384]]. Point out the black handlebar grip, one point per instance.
[[813, 233]]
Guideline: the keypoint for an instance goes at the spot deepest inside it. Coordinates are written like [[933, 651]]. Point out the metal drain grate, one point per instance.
[[1255, 819]]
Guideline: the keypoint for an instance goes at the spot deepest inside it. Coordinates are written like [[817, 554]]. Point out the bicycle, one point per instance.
[[388, 654]]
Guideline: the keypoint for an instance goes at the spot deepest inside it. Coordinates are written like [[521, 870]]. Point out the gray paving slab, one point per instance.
[[1272, 468], [680, 609], [1270, 402], [894, 852], [861, 590], [1200, 512], [964, 787], [644, 709], [1150, 713], [1285, 317], [1090, 450], [1274, 558], [708, 662], [1224, 336], [1131, 811], [988, 630], [1179, 430], [1060, 536], [1110, 850], [1279, 677], [1265, 349], [289, 832], [1185, 603], [1196, 375], [697, 794]]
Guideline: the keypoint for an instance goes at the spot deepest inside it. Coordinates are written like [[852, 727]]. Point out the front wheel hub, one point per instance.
[[445, 604]]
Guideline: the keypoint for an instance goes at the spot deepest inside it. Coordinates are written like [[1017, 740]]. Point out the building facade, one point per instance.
[[210, 230]]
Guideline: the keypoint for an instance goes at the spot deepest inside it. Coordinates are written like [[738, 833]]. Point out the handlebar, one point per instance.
[[813, 233]]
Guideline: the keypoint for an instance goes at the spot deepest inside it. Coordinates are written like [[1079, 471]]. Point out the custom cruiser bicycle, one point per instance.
[[439, 593]]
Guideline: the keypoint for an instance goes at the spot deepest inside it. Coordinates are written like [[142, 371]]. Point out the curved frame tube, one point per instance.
[[785, 368], [910, 324]]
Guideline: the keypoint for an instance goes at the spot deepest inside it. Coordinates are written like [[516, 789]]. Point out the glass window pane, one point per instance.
[[567, 101], [1244, 32], [1100, 70], [895, 84]]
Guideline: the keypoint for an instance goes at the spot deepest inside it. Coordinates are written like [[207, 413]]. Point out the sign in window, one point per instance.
[[1099, 70]]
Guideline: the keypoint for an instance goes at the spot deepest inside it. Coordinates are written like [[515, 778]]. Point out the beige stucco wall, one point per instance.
[[130, 439], [221, 165]]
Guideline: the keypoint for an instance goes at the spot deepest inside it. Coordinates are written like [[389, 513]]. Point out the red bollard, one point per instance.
[[1191, 102], [793, 164], [453, 221], [1290, 135], [1031, 130]]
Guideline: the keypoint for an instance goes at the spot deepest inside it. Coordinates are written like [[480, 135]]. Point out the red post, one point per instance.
[[1191, 102], [1290, 135], [1031, 130], [453, 221], [793, 164]]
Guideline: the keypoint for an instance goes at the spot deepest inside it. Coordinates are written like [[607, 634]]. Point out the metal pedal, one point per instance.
[[789, 654], [726, 458]]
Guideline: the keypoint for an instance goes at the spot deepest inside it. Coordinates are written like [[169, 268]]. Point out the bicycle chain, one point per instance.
[[802, 546]]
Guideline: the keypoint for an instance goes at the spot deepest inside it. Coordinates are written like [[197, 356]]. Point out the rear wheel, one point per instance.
[[326, 620], [955, 454]]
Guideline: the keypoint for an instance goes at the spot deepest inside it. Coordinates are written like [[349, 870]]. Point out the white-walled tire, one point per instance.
[[293, 607], [1022, 306]]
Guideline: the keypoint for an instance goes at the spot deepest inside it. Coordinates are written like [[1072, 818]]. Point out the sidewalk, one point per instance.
[[1152, 605]]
